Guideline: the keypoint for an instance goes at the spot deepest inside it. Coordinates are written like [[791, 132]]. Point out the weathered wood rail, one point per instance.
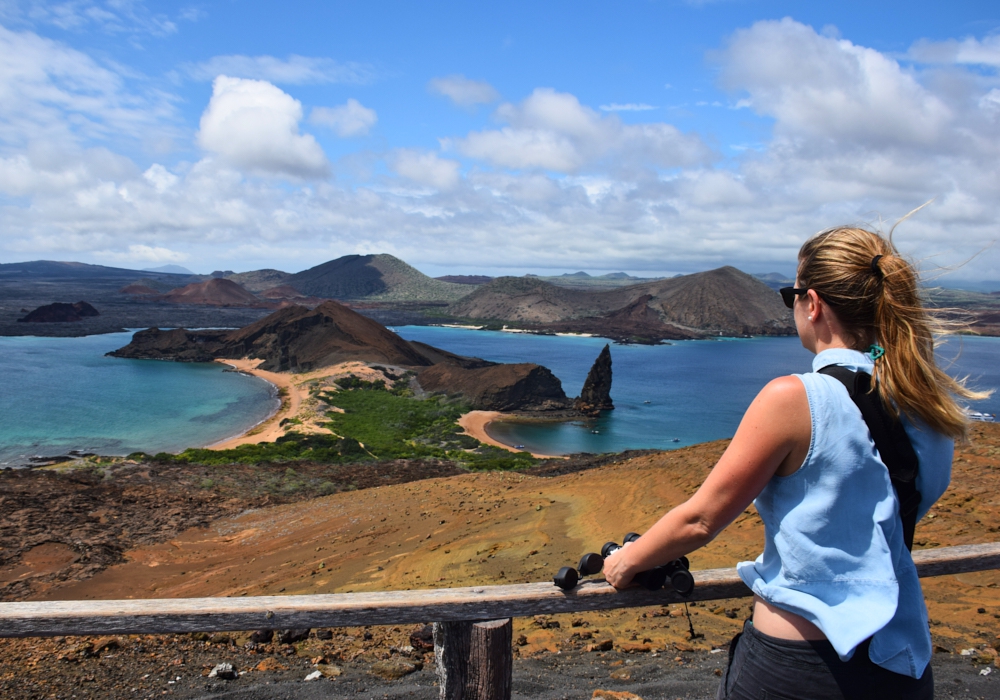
[[458, 641]]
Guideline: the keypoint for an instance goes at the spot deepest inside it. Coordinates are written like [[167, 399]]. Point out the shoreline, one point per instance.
[[269, 429], [476, 425]]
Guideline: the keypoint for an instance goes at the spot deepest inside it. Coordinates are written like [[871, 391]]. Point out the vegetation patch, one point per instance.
[[378, 423]]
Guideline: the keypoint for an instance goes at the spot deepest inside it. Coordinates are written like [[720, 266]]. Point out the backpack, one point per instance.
[[891, 440]]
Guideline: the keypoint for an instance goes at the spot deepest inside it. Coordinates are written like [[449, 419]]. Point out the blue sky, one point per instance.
[[497, 138]]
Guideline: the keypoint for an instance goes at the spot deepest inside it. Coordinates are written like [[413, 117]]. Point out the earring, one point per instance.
[[810, 318]]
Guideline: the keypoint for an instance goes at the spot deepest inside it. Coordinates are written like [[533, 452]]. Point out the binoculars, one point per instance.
[[676, 571]]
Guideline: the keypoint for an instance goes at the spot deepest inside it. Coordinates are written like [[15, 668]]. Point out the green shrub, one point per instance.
[[376, 425]]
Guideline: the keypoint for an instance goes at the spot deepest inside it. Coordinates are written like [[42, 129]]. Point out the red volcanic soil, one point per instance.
[[459, 530], [213, 292], [495, 527]]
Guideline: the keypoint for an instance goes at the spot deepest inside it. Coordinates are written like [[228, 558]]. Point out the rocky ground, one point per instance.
[[147, 531]]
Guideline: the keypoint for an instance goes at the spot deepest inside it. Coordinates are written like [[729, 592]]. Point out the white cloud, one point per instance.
[[350, 119], [990, 102], [821, 87], [295, 70], [160, 178], [254, 125], [110, 17], [553, 131], [628, 107], [968, 51], [53, 94], [426, 168], [463, 91], [147, 254]]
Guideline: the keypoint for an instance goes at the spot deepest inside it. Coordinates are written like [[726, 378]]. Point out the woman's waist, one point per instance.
[[782, 624]]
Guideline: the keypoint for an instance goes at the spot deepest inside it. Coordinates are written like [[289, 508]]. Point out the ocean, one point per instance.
[[667, 396], [62, 393]]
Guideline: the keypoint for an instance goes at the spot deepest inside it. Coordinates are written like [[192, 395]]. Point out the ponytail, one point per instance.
[[875, 294]]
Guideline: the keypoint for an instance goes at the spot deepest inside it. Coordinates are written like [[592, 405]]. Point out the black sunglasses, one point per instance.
[[788, 295]]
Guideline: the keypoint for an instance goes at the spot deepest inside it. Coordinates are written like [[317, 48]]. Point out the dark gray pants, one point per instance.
[[767, 668]]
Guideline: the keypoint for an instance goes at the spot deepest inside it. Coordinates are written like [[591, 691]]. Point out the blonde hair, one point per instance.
[[875, 294]]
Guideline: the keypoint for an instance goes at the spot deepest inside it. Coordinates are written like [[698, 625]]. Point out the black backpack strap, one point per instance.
[[891, 440]]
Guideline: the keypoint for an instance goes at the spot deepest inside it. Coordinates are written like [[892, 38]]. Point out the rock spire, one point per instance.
[[596, 394]]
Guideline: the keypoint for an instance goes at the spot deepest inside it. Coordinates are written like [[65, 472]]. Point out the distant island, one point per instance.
[[618, 306]]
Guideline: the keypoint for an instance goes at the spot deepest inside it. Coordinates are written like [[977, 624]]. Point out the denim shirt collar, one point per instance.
[[854, 360]]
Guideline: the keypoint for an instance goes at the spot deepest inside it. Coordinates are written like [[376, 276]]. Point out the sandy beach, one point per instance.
[[270, 429], [298, 400], [475, 422]]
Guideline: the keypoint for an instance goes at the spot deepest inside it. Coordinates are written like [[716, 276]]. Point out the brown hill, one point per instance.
[[373, 278], [718, 302], [60, 313], [299, 339], [213, 292], [258, 280], [293, 338]]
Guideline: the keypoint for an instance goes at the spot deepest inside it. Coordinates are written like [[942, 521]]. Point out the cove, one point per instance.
[[62, 394]]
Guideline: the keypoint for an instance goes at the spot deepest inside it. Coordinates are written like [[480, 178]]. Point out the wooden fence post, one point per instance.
[[452, 641], [475, 661], [491, 661]]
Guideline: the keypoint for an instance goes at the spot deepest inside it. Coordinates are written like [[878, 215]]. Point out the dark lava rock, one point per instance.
[[177, 345], [422, 638], [515, 387], [292, 636], [60, 313], [262, 636], [596, 394]]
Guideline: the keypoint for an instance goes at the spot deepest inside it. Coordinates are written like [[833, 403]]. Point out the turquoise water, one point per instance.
[[667, 396], [61, 394]]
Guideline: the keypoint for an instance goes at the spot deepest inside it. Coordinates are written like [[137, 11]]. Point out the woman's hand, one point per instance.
[[617, 571]]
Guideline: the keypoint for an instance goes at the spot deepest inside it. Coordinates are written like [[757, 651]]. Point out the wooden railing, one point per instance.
[[473, 659]]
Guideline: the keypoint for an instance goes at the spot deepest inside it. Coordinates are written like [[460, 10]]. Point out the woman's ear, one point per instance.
[[814, 305]]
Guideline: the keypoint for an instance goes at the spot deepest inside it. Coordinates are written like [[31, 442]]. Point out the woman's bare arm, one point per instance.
[[773, 438]]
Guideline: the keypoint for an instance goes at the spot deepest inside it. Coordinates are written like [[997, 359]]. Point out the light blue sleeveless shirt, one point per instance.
[[833, 549]]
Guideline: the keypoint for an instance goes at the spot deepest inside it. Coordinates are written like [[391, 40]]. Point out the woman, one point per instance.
[[838, 610]]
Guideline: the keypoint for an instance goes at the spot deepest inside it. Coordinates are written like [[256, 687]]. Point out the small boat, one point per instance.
[[647, 402], [982, 417], [518, 447], [676, 440], [595, 432]]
